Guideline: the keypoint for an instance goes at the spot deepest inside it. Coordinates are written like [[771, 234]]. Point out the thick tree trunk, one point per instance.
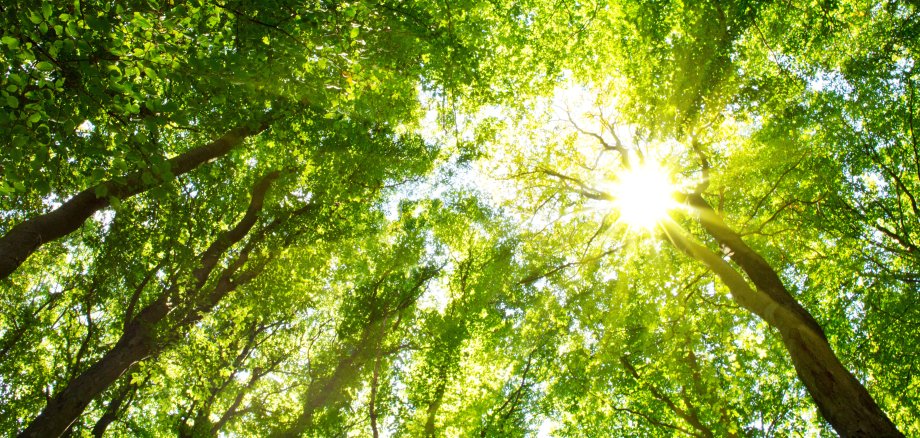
[[135, 344], [758, 270], [138, 341], [840, 397], [25, 238]]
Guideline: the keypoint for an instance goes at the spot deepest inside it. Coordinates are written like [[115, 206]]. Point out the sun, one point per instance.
[[643, 195]]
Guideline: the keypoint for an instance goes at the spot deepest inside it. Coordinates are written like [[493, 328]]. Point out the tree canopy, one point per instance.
[[459, 218]]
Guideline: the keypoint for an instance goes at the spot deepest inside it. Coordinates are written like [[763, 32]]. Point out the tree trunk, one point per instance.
[[135, 344], [25, 238], [139, 338], [840, 397], [326, 391], [114, 407], [435, 405]]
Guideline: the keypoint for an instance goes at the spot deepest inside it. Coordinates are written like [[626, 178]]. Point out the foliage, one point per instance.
[[405, 224]]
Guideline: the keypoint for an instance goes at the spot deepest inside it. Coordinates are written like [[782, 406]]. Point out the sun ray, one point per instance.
[[643, 196]]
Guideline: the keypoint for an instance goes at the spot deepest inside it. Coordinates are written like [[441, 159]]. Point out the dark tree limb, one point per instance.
[[139, 339], [27, 237], [116, 405], [842, 400]]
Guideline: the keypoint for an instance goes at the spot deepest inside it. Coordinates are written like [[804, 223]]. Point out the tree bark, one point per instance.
[[138, 341], [26, 237], [135, 344], [114, 408], [842, 400]]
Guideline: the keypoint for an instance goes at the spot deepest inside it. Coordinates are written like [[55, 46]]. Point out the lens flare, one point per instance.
[[643, 196]]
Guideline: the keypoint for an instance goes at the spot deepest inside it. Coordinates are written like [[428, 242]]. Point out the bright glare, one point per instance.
[[643, 196]]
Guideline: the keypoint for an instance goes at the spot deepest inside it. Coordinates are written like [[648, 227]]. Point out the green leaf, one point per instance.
[[120, 164], [114, 71], [72, 29], [16, 79], [147, 178], [101, 191]]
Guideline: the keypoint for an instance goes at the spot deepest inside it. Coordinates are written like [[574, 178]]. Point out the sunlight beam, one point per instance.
[[643, 196]]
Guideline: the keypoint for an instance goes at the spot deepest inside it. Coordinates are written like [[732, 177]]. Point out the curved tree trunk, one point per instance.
[[25, 238], [139, 339], [135, 344], [842, 400]]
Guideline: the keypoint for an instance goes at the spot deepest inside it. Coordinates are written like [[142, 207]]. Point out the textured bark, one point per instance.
[[138, 341], [114, 407], [135, 344], [25, 238], [842, 400]]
